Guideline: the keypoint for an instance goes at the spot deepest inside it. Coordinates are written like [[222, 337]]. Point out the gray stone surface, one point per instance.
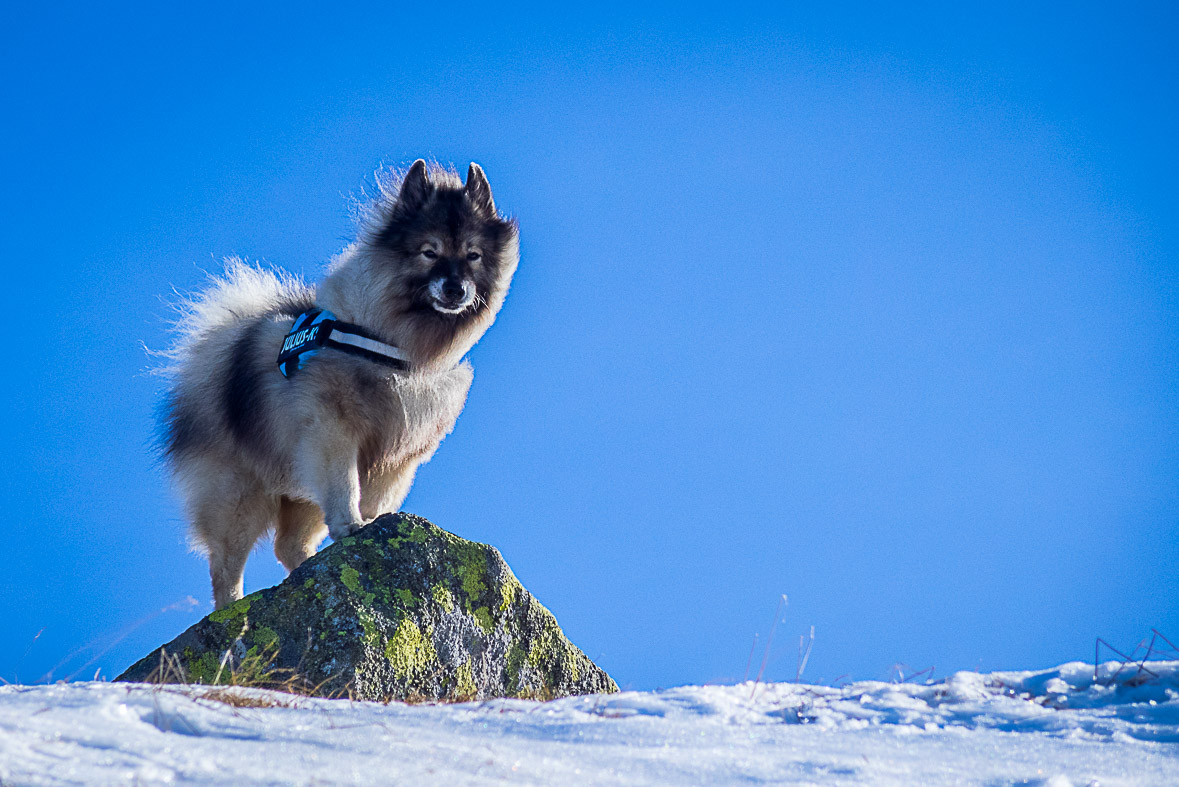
[[402, 610]]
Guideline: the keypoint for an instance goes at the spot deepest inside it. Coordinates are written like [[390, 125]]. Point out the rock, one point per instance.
[[402, 610]]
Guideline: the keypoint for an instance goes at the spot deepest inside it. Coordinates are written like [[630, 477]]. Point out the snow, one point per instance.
[[1054, 727]]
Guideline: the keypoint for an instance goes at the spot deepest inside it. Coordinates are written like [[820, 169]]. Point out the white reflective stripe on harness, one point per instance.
[[364, 343]]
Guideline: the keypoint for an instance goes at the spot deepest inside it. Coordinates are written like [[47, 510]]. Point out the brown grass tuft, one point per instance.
[[236, 699]]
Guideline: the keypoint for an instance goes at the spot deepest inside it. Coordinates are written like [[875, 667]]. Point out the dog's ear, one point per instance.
[[478, 190], [415, 189]]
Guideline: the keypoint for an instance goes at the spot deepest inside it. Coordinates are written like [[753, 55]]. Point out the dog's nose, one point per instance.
[[453, 290]]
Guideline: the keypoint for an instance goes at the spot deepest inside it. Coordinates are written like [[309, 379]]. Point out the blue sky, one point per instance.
[[875, 307]]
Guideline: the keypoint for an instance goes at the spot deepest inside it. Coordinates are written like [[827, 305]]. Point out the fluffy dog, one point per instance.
[[337, 442]]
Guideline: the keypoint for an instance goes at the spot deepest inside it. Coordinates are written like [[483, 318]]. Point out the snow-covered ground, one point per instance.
[[1053, 727]]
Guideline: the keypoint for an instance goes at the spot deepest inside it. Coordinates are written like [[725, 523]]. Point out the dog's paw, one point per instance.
[[340, 530]]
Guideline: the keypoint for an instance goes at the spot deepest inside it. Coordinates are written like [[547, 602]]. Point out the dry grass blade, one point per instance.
[[769, 643], [804, 654]]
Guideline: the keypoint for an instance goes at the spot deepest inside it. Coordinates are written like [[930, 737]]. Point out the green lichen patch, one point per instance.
[[368, 624], [443, 597], [484, 619], [472, 573], [205, 668], [409, 653], [515, 660], [508, 590], [351, 578], [543, 646], [265, 637], [412, 533], [238, 609], [464, 683]]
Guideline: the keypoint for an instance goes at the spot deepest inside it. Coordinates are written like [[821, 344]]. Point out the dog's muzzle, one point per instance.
[[451, 295]]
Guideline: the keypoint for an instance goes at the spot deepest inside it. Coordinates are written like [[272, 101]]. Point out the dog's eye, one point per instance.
[[430, 254], [474, 256]]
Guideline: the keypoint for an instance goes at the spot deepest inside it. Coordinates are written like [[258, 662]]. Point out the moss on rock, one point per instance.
[[404, 610]]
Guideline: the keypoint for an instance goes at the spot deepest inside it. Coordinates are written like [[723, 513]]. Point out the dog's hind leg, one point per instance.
[[299, 530], [228, 518], [227, 565]]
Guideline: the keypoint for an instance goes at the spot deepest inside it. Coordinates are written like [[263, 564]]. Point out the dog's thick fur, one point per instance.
[[338, 443]]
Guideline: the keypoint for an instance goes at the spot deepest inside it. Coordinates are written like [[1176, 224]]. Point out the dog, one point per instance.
[[333, 438]]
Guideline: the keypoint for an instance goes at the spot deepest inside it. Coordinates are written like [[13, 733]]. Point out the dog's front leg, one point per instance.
[[327, 469], [383, 491]]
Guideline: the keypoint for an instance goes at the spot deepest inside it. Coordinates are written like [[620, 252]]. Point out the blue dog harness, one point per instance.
[[317, 328]]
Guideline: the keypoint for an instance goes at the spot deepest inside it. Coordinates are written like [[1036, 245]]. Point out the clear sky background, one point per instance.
[[873, 305]]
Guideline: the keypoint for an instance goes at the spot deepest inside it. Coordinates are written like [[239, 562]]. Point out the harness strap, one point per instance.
[[315, 329]]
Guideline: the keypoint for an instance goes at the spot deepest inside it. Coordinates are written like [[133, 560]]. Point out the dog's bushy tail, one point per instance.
[[241, 291]]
